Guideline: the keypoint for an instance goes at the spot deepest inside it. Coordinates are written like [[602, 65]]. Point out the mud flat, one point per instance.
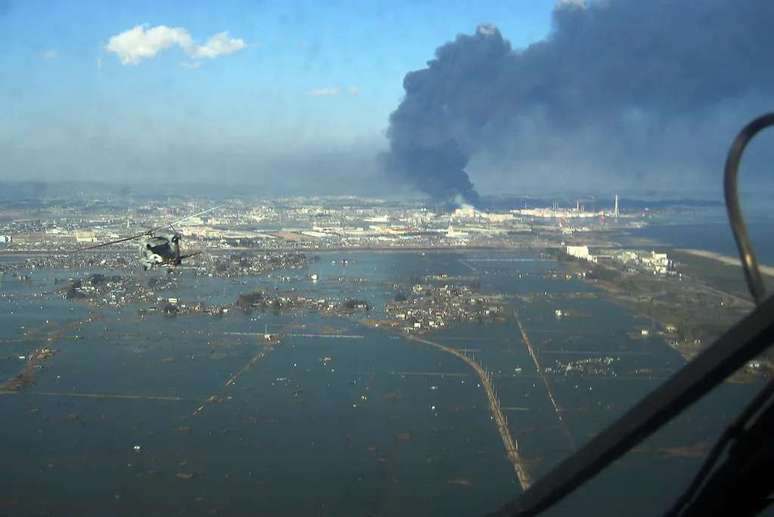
[[27, 376], [693, 310]]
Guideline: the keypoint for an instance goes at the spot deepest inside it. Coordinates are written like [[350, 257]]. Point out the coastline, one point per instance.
[[725, 259]]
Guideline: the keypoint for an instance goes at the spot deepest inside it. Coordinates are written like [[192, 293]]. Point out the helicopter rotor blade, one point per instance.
[[173, 223], [149, 231], [103, 244]]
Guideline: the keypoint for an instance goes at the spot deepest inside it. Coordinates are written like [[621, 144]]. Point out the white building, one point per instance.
[[85, 236], [581, 252], [627, 257], [555, 213], [657, 262]]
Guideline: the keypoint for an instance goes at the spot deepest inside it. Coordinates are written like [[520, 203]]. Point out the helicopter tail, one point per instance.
[[188, 255]]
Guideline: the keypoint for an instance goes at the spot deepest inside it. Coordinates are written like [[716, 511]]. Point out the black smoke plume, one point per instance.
[[619, 89]]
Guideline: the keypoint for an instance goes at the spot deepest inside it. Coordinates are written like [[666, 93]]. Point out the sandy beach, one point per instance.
[[725, 259]]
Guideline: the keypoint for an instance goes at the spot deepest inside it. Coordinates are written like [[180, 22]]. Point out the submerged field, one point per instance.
[[200, 414]]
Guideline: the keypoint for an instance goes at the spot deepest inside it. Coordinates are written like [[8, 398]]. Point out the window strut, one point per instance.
[[746, 253]]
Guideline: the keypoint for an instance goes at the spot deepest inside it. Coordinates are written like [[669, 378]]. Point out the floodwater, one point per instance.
[[137, 415]]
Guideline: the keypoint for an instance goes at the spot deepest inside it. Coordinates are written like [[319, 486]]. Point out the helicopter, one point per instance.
[[159, 246]]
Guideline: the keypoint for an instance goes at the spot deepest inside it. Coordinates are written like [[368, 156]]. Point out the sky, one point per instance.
[[309, 85], [436, 97]]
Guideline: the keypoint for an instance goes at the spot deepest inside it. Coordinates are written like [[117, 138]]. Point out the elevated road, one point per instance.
[[511, 446], [546, 383]]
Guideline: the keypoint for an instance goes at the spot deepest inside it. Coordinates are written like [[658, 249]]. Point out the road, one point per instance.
[[511, 446], [546, 383]]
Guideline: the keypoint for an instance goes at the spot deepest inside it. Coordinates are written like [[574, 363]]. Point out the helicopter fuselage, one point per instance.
[[160, 249]]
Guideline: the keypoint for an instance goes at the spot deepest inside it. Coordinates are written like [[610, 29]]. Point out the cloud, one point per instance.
[[325, 92], [49, 54], [332, 91], [487, 29], [221, 44], [140, 43], [137, 43]]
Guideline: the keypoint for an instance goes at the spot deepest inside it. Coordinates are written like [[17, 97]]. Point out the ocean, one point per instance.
[[713, 234]]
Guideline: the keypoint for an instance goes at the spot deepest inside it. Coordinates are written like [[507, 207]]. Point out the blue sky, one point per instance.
[[73, 108]]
